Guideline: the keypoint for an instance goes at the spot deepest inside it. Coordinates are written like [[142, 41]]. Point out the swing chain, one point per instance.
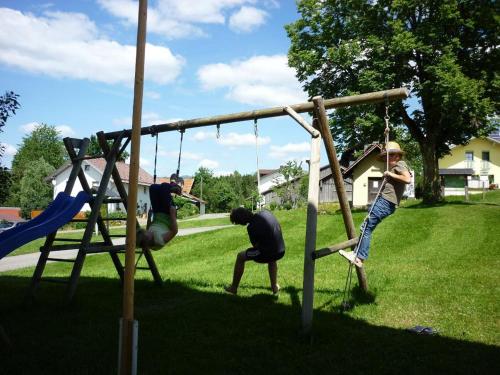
[[217, 134], [255, 129]]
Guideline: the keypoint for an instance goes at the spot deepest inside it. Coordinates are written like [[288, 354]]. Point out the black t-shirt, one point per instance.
[[161, 197], [265, 232]]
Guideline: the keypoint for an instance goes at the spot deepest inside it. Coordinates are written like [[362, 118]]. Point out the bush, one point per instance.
[[273, 206], [187, 210]]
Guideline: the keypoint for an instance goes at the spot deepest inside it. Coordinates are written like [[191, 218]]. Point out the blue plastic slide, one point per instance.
[[58, 213]]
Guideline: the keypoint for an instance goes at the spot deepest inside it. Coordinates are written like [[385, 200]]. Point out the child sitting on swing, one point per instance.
[[164, 225], [395, 180]]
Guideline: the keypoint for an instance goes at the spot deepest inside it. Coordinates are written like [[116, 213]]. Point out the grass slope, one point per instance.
[[435, 266]]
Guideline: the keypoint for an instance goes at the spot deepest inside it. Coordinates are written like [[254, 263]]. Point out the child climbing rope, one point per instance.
[[393, 187]]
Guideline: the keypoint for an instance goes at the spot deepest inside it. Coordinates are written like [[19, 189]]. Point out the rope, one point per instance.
[[154, 133], [180, 153], [256, 131], [347, 287]]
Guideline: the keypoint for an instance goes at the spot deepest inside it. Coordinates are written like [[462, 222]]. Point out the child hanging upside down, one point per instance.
[[396, 178], [164, 225]]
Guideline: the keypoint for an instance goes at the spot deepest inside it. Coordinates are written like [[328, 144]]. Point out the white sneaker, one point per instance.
[[351, 257]]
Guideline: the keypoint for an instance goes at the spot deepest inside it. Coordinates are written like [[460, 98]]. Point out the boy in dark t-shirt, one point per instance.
[[264, 233]]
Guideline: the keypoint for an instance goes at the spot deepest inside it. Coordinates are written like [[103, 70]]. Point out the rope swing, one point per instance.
[[347, 289]]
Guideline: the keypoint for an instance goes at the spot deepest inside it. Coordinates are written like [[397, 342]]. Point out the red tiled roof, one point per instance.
[[188, 183], [123, 169]]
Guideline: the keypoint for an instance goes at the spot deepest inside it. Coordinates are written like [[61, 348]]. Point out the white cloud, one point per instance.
[[152, 95], [207, 163], [247, 19], [144, 163], [148, 119], [69, 45], [65, 131], [179, 18], [9, 149], [29, 127], [202, 135], [186, 155], [283, 152], [260, 80], [235, 139]]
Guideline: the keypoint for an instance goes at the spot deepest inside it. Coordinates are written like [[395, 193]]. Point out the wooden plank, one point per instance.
[[346, 101], [301, 121], [335, 248], [310, 245], [338, 180]]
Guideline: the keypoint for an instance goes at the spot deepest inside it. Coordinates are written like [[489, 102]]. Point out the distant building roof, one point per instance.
[[186, 188], [456, 171], [265, 172], [495, 134], [100, 164], [373, 147]]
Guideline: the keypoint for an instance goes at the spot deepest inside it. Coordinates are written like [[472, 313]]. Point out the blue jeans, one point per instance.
[[381, 209]]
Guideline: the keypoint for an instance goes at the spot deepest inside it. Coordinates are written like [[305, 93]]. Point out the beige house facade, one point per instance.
[[478, 163]]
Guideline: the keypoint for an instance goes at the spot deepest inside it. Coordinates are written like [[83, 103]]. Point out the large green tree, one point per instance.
[[445, 52], [35, 192], [8, 106], [222, 193], [43, 142], [95, 149]]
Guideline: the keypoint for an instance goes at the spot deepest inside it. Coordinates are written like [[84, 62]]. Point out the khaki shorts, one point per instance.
[[159, 227]]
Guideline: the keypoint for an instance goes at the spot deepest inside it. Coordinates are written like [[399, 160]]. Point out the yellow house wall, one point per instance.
[[477, 145], [368, 167]]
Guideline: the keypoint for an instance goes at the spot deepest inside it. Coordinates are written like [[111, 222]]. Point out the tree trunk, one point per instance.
[[431, 189]]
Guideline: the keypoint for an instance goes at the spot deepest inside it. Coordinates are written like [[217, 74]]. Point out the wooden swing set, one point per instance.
[[318, 130]]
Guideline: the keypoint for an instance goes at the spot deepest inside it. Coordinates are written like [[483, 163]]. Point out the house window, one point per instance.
[[87, 167], [469, 159], [485, 161], [144, 189]]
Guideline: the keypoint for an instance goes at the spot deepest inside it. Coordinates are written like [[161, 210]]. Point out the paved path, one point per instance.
[[30, 260]]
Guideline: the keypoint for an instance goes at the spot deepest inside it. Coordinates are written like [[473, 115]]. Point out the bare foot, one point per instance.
[[229, 289]]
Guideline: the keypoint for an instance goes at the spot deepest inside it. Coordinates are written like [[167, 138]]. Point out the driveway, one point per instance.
[[30, 260]]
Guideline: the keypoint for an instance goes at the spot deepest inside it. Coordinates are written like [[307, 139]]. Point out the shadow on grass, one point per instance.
[[447, 203], [190, 331]]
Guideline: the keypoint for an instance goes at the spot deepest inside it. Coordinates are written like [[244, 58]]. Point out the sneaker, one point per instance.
[[351, 257], [277, 290]]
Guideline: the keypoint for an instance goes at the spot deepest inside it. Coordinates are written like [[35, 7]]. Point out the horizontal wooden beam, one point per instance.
[[346, 101], [334, 249]]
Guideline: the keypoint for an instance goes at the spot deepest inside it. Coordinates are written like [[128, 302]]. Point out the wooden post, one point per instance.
[[466, 190], [127, 348], [338, 180], [310, 245]]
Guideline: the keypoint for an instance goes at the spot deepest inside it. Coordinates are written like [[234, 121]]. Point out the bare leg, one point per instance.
[[174, 229], [239, 268], [272, 267]]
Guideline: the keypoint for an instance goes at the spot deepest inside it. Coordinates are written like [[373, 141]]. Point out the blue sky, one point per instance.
[[72, 63]]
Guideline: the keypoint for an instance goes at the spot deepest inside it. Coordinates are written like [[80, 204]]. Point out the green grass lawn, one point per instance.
[[436, 266]]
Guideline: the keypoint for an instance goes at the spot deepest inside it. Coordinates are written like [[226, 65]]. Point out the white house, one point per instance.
[[94, 169]]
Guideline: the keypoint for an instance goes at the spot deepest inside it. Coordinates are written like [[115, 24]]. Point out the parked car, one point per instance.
[[6, 225]]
